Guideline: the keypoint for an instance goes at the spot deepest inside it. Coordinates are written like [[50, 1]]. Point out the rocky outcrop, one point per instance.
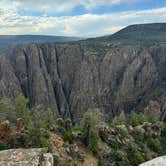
[[72, 78], [66, 154], [5, 131], [26, 157], [157, 109], [159, 161]]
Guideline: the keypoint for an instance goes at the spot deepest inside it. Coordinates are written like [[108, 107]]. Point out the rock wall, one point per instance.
[[72, 78]]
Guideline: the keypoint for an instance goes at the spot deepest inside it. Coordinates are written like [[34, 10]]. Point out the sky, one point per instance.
[[82, 18]]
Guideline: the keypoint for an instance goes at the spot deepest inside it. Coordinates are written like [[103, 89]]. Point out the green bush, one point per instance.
[[38, 137], [105, 160], [90, 135], [134, 119], [19, 140], [139, 135], [119, 120], [119, 158], [93, 142], [163, 137], [122, 131], [134, 155], [47, 119], [7, 111], [103, 135], [115, 144], [3, 146], [68, 136], [76, 128], [21, 109], [36, 123], [138, 119], [154, 144]]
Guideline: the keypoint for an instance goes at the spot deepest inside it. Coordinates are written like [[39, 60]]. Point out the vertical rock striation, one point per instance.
[[71, 78]]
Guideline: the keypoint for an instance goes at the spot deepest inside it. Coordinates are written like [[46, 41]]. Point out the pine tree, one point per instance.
[[90, 135]]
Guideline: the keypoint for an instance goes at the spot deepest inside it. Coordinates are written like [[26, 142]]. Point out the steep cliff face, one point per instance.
[[9, 84], [72, 78]]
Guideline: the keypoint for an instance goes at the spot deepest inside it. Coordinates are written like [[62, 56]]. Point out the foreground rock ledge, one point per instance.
[[159, 161], [26, 157]]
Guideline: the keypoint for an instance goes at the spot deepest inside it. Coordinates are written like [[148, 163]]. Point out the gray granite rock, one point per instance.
[[72, 78], [26, 157], [159, 161]]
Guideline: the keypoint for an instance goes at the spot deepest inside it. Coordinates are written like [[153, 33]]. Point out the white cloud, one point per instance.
[[47, 6], [11, 22], [91, 4], [56, 6]]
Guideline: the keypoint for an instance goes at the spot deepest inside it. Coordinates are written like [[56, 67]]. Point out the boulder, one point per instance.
[[26, 157], [68, 154], [5, 131], [153, 109], [159, 161], [20, 123]]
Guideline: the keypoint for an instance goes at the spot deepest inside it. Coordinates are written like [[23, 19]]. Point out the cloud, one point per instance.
[[91, 4], [56, 6], [49, 6], [86, 25], [60, 6]]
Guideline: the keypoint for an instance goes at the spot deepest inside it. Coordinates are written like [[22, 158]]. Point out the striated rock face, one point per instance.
[[71, 78], [9, 84], [159, 161], [26, 157]]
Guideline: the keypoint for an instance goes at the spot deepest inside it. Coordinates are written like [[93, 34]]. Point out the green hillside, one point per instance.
[[137, 34]]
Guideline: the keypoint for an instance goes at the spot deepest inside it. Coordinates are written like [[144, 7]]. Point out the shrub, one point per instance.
[[68, 136], [163, 137], [119, 120], [6, 111], [122, 131], [151, 118], [103, 135], [90, 135], [134, 119], [105, 160], [34, 133], [142, 118], [134, 155], [93, 142], [76, 128], [38, 137], [115, 144], [154, 144], [19, 140], [3, 146], [138, 119], [139, 135], [21, 109], [48, 120], [119, 158]]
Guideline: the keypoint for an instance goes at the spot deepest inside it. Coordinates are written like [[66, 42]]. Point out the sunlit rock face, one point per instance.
[[159, 161], [73, 78], [26, 157]]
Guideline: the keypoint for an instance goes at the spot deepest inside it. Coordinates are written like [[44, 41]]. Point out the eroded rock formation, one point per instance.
[[72, 78]]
